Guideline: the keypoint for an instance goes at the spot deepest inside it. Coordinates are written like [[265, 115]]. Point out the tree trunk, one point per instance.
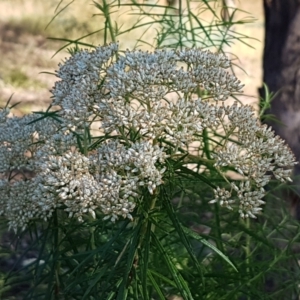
[[281, 64]]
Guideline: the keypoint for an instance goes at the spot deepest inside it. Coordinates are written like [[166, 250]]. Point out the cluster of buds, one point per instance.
[[150, 107]]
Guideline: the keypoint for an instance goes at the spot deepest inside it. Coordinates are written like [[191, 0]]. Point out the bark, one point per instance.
[[281, 64], [279, 15]]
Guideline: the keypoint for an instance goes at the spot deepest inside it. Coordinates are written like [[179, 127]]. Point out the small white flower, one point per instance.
[[146, 106]]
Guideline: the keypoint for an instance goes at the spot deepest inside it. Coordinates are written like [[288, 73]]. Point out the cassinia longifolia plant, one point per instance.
[[122, 119]]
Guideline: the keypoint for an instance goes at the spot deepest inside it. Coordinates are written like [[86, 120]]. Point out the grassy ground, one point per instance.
[[26, 52]]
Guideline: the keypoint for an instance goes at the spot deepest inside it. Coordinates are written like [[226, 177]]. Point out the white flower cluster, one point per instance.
[[3, 114], [136, 165], [17, 204], [255, 154], [107, 181], [139, 84], [78, 90], [146, 106], [20, 138]]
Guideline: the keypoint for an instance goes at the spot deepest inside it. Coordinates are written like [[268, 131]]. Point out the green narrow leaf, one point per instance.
[[183, 237], [185, 170], [156, 287], [123, 290], [94, 282], [112, 294], [65, 7], [209, 245], [76, 42], [145, 259], [46, 114], [180, 282], [162, 277], [202, 27]]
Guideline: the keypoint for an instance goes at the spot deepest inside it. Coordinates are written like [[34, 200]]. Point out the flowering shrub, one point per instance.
[[151, 110]]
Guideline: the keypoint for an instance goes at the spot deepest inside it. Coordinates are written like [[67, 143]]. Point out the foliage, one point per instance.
[[132, 210]]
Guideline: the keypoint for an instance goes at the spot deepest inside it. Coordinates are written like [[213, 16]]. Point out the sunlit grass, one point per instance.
[[19, 79], [34, 17]]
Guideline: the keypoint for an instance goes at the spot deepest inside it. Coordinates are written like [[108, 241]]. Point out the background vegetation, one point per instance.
[[24, 45]]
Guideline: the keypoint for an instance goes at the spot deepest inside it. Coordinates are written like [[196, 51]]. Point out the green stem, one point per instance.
[[206, 143], [226, 26], [248, 250], [180, 12], [56, 254], [152, 203], [191, 22], [108, 24], [85, 141], [218, 229], [145, 225], [92, 231]]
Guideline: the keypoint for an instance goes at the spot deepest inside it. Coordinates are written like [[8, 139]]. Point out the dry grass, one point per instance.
[[26, 52]]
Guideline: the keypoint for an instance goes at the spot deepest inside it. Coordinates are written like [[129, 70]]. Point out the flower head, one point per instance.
[[150, 107]]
